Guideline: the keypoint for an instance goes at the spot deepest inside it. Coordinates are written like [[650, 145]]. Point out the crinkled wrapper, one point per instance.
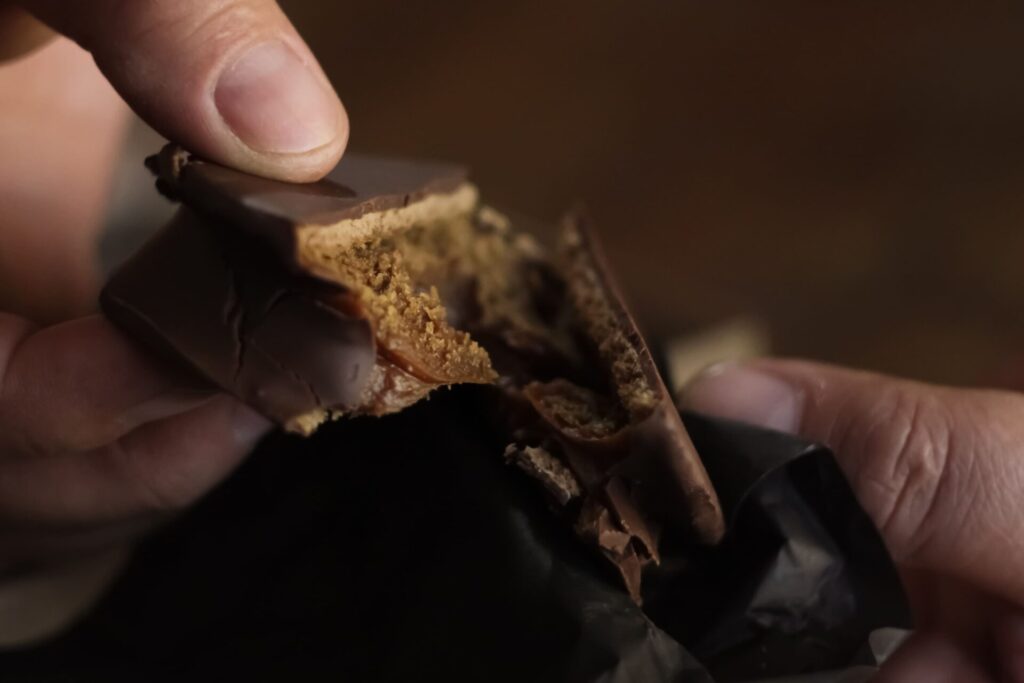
[[405, 549]]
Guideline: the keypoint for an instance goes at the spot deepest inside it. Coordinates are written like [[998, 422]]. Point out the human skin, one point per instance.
[[941, 473], [97, 442]]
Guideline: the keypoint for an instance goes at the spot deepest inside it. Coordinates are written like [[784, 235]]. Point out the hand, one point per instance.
[[941, 473], [98, 442]]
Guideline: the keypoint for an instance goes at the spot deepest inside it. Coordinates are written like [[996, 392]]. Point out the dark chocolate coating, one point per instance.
[[667, 477], [274, 210], [225, 304], [639, 476]]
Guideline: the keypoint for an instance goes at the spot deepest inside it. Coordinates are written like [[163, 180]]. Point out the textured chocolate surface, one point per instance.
[[225, 305], [608, 418], [663, 463], [223, 289]]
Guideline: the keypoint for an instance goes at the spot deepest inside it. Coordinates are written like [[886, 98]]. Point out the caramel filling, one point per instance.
[[419, 285]]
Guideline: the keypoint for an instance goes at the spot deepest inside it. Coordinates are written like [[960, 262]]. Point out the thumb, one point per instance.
[[229, 79], [939, 470]]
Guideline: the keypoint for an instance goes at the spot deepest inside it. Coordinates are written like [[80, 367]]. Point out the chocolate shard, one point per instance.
[[595, 524], [630, 520], [542, 465]]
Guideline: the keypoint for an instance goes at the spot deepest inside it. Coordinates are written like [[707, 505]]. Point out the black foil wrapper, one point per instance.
[[405, 549]]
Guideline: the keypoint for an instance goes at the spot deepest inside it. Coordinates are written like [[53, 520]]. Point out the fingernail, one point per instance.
[[248, 425], [738, 392], [275, 102]]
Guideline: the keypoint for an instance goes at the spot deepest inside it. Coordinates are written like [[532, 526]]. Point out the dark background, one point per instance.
[[849, 173]]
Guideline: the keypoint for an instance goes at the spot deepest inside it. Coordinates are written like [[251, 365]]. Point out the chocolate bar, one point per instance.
[[364, 292]]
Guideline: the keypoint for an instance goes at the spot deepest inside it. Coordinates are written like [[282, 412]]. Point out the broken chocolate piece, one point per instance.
[[360, 198], [617, 430], [546, 468], [663, 463], [349, 245], [596, 525], [362, 293], [226, 306]]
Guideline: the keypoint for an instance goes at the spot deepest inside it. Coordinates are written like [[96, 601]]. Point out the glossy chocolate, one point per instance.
[[275, 211], [637, 469], [662, 464], [225, 305]]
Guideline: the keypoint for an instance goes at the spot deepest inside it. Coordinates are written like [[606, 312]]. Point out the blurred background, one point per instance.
[[848, 175]]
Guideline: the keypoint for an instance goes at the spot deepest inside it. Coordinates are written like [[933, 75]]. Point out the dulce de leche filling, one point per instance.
[[417, 286]]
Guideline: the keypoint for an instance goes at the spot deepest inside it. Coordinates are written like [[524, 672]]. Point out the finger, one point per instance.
[[20, 32], [933, 658], [80, 385], [1009, 644], [35, 545], [161, 467], [229, 79], [54, 180], [939, 470]]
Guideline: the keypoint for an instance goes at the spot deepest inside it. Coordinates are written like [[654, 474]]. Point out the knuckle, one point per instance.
[[16, 438], [196, 21], [908, 473], [15, 443], [156, 489], [191, 28]]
